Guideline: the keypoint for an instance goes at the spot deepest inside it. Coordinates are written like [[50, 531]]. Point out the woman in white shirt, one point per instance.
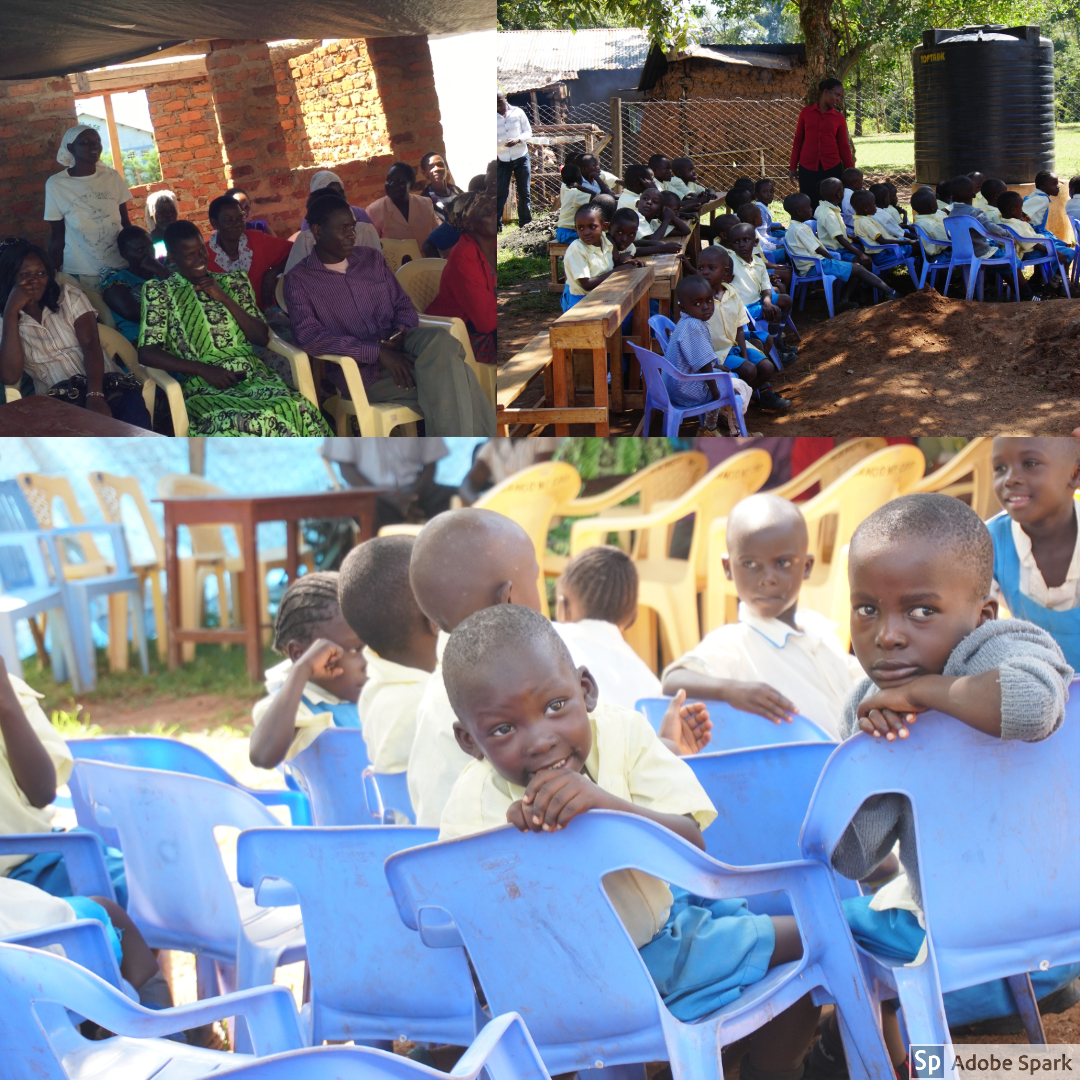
[[49, 331], [86, 206]]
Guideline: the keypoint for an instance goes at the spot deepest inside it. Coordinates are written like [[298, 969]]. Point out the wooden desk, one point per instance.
[[42, 415], [595, 324], [555, 252], [668, 272], [246, 511]]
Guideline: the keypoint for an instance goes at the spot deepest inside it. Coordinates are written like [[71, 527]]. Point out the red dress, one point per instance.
[[821, 140], [467, 291], [266, 251]]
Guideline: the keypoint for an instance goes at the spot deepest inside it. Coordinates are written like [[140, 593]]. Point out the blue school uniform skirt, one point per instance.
[[47, 871], [565, 236], [706, 953], [735, 360], [568, 299], [837, 268], [1062, 626], [897, 935]]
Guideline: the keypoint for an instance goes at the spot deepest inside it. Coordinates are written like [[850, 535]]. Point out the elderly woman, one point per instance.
[[86, 206], [203, 327], [50, 333], [233, 247], [821, 147], [162, 210], [325, 182], [467, 287], [438, 189], [400, 215]]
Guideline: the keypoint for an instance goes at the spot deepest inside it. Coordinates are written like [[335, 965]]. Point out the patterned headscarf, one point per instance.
[[64, 155], [459, 208], [152, 201], [324, 178]]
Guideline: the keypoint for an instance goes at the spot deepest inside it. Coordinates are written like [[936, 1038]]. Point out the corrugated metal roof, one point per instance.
[[529, 59]]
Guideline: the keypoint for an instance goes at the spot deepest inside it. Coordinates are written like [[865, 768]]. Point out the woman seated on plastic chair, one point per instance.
[[344, 299], [203, 328], [50, 333], [399, 214]]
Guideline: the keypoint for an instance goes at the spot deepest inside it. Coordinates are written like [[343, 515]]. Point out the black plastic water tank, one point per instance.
[[984, 99]]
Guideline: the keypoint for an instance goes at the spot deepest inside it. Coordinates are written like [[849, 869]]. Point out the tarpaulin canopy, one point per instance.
[[60, 37]]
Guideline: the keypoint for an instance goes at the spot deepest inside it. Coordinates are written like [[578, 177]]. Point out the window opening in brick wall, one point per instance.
[[123, 121]]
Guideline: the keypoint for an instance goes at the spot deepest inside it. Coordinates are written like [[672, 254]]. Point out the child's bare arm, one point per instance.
[[590, 283], [748, 696], [860, 255], [678, 226], [31, 765], [740, 340], [973, 699], [556, 796], [276, 728]]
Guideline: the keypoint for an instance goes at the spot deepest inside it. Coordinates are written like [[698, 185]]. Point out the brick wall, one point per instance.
[[695, 78], [33, 118]]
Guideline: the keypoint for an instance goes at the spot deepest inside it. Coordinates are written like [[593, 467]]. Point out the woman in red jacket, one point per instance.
[[821, 147], [467, 288]]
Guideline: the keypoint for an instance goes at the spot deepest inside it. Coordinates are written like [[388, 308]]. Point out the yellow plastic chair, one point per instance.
[[12, 393], [830, 466], [970, 473], [669, 586], [104, 312], [394, 251], [831, 518], [420, 278], [208, 546]]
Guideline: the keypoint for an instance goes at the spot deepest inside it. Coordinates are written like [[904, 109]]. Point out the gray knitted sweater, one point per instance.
[[1034, 688]]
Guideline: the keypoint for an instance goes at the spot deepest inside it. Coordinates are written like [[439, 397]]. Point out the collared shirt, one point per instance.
[[16, 813], [946, 206], [388, 704], [845, 208], [1037, 207], [51, 348], [888, 223], [1072, 207], [622, 676], [821, 140], [512, 126], [390, 223], [304, 244], [802, 241], [1063, 597], [933, 225], [830, 224], [729, 314], [682, 188], [979, 200], [630, 198], [387, 463], [766, 214], [1024, 228], [807, 665], [689, 350], [587, 261], [309, 724], [871, 232], [348, 313], [993, 214], [266, 251], [570, 199], [630, 762], [751, 279], [895, 214]]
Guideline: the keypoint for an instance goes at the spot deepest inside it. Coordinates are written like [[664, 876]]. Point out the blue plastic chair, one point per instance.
[[84, 942], [735, 730], [804, 281], [661, 327], [372, 980], [179, 892], [82, 853], [998, 834], [504, 1050], [1048, 262], [172, 755], [1074, 265], [387, 796], [932, 265], [576, 974], [653, 365], [39, 1040], [960, 230], [331, 773]]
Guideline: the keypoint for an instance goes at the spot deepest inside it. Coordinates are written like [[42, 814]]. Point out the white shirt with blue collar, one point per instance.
[[805, 663]]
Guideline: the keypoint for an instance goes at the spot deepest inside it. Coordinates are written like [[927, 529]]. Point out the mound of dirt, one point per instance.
[[928, 365], [531, 239]]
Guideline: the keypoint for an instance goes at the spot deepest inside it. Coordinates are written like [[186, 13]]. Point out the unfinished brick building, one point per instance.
[[242, 113]]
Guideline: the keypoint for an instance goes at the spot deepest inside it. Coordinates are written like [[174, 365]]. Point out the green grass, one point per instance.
[[514, 268], [543, 302], [886, 153], [1067, 150]]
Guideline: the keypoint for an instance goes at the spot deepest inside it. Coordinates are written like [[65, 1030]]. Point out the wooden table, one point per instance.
[[43, 415], [247, 511], [595, 324], [668, 272]]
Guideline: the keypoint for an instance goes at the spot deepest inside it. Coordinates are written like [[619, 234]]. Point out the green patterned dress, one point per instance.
[[187, 323]]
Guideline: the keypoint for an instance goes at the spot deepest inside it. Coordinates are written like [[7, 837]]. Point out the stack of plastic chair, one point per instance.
[[372, 980], [959, 782], [831, 518], [804, 281], [588, 995], [170, 755], [668, 586], [829, 467], [932, 265], [968, 475], [734, 729], [961, 230], [43, 997], [179, 892]]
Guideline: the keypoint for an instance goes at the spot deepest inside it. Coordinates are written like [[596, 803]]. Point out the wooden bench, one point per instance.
[[668, 270], [555, 252]]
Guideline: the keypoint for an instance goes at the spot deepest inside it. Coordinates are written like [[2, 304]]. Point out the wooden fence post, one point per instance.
[[616, 136]]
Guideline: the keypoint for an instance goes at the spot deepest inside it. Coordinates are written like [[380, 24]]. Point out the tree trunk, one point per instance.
[[822, 60], [858, 101]]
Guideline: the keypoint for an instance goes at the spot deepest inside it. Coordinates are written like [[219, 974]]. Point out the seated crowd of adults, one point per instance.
[[203, 308]]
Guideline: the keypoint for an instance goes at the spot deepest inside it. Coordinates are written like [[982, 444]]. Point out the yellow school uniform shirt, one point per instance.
[[993, 215], [1024, 228], [587, 260], [979, 201], [751, 279], [729, 313], [630, 762], [387, 706], [830, 225], [16, 813], [894, 214], [570, 201], [629, 198], [869, 232], [933, 225], [802, 241], [682, 188], [308, 723], [944, 207]]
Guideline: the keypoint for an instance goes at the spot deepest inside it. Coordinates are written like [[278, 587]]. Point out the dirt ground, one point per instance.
[[198, 713], [923, 365]]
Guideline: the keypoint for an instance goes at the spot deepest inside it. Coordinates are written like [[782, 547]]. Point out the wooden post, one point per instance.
[[197, 457], [114, 135], [616, 136]]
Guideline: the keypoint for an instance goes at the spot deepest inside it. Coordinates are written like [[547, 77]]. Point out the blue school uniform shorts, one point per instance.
[[896, 935], [837, 268], [565, 236], [735, 360], [85, 908], [569, 299], [754, 310]]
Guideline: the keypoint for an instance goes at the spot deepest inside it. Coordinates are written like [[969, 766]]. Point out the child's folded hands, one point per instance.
[[555, 797], [888, 712]]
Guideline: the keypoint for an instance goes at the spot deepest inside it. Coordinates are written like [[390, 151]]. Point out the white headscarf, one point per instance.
[[64, 155], [152, 201], [324, 178]]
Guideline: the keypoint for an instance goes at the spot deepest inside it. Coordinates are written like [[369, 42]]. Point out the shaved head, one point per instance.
[[763, 512], [466, 560]]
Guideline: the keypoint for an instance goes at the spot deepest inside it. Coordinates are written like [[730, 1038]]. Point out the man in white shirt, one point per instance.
[[513, 129]]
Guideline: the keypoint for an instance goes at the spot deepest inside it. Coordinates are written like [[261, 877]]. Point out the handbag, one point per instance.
[[114, 385]]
